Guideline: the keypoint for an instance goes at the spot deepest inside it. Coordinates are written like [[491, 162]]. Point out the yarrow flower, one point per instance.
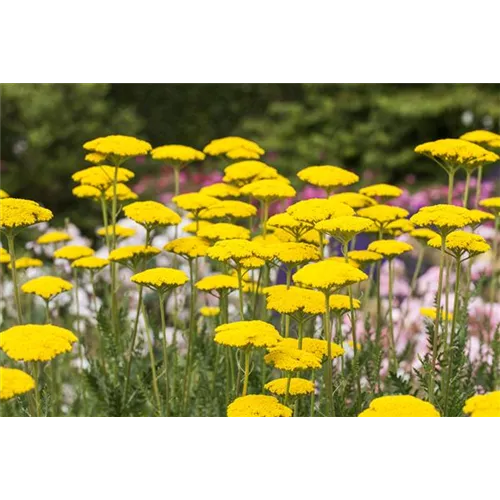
[[151, 214], [160, 279], [220, 190], [340, 304], [95, 158], [430, 312], [327, 275], [194, 202], [52, 237], [25, 263], [16, 213], [327, 176], [217, 282], [73, 252], [390, 248], [257, 406], [84, 191], [492, 204], [318, 347], [298, 386], [4, 256], [123, 193], [189, 248], [318, 209], [289, 359], [293, 299], [399, 406], [120, 231], [224, 231], [46, 287], [364, 256], [14, 382], [242, 154], [91, 263], [235, 249], [344, 228], [36, 342], [483, 405], [132, 255], [354, 200], [229, 208], [480, 217], [482, 137], [122, 146], [4, 194], [288, 253], [399, 226], [227, 144], [423, 234], [103, 176], [382, 215], [177, 153], [460, 242], [443, 217], [381, 191], [247, 333], [268, 190], [209, 312], [194, 227]]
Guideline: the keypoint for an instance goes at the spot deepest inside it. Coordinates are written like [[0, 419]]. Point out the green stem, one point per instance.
[[192, 325], [478, 185], [47, 312], [451, 180], [300, 328], [247, 371], [12, 252], [177, 173], [104, 210], [240, 289], [152, 360], [329, 368], [287, 391], [114, 285], [36, 376], [392, 345], [494, 279], [418, 266], [265, 216], [165, 353], [467, 185], [313, 396]]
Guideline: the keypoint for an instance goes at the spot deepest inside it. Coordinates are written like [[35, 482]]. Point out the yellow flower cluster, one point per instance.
[[190, 247], [257, 406], [247, 333], [53, 237], [243, 172], [242, 154], [224, 231], [342, 303], [220, 190], [95, 158], [118, 145], [482, 137], [73, 252], [364, 256], [344, 228], [492, 204], [194, 202], [445, 217], [229, 208], [132, 254], [389, 248], [268, 190], [399, 406], [102, 177], [4, 194], [289, 359], [318, 209], [120, 231], [177, 153], [298, 386], [294, 299], [431, 313], [382, 215], [26, 262], [423, 234], [14, 382], [460, 242], [151, 214], [160, 279], [318, 347], [17, 213], [46, 287], [381, 191], [327, 176], [228, 144], [354, 200], [328, 275], [483, 405], [236, 250], [288, 253], [91, 263], [217, 282], [4, 256]]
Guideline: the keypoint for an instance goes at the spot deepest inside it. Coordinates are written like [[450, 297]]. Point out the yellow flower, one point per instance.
[[220, 190], [318, 209], [382, 215], [454, 153], [25, 262], [194, 202], [227, 144], [342, 304], [132, 254], [318, 347], [423, 234], [178, 153], [479, 217], [217, 282], [399, 406], [52, 237], [247, 333], [84, 191], [95, 158], [4, 256], [190, 247], [328, 275], [120, 231], [430, 312], [354, 200], [400, 226], [160, 279], [257, 406], [286, 222], [298, 386], [118, 145], [290, 359], [344, 228], [481, 137], [242, 154], [492, 204], [18, 213], [4, 194], [224, 231], [123, 193], [444, 217], [73, 252], [90, 263], [244, 171], [236, 250], [46, 287], [460, 242], [194, 227], [36, 342], [483, 405], [389, 248], [102, 177], [209, 312], [151, 214], [268, 190], [268, 173], [327, 176], [288, 253], [229, 208], [382, 191], [364, 256], [294, 299], [14, 382], [341, 260]]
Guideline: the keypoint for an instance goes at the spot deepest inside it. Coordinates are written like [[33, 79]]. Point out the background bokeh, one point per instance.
[[368, 128]]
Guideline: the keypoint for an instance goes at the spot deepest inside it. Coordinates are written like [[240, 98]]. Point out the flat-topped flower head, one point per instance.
[[217, 282], [73, 252], [132, 255], [268, 173], [122, 146], [151, 214], [191, 247], [220, 190], [194, 227], [443, 217], [4, 194], [46, 287], [364, 257], [289, 359], [327, 176], [318, 347], [344, 228], [258, 406], [483, 405], [14, 382], [120, 231], [227, 144], [90, 263], [289, 224], [399, 406], [288, 253], [103, 176], [84, 191], [342, 260], [232, 209], [431, 313], [318, 209], [95, 158], [16, 213], [492, 204], [480, 217], [160, 279], [390, 248], [481, 137], [340, 304], [123, 193], [177, 154], [36, 342], [52, 237], [382, 215], [247, 333], [423, 234], [224, 231], [235, 249], [268, 190], [25, 263], [454, 153], [194, 202], [298, 386], [209, 312], [242, 172], [328, 275], [243, 154], [294, 299], [459, 243], [4, 256], [354, 200], [385, 191], [399, 227]]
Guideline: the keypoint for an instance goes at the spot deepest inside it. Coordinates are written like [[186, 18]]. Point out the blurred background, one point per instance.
[[371, 129]]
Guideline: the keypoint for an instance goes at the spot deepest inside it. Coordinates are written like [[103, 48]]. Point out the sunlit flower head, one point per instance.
[[4, 256], [298, 386], [103, 176], [243, 172], [399, 406], [443, 217], [16, 213], [231, 209], [120, 231], [492, 204], [224, 231], [194, 202], [160, 279], [257, 406], [340, 304], [385, 191], [242, 154], [73, 252], [399, 227], [318, 209], [390, 248], [481, 137], [288, 253], [220, 190], [483, 405], [53, 237], [354, 200], [382, 215], [236, 249], [90, 263], [344, 228], [189, 248], [247, 333], [85, 191], [480, 217], [364, 257], [227, 144], [294, 300], [14, 382], [151, 214], [217, 282], [268, 190], [285, 221], [178, 154], [194, 227], [132, 255], [423, 234], [122, 146], [327, 176], [459, 243], [95, 158], [289, 359], [46, 287], [123, 193], [318, 347], [26, 262]]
